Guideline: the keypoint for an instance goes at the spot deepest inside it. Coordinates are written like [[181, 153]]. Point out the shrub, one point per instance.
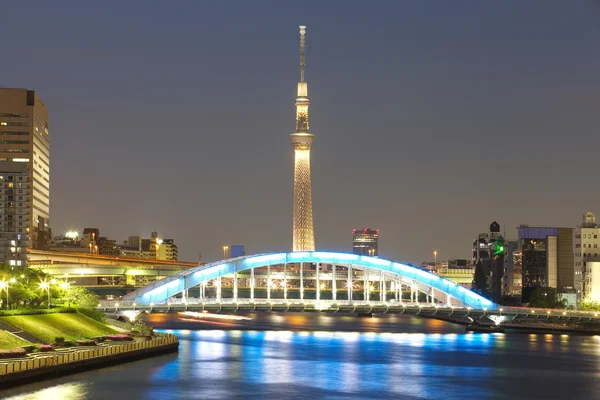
[[36, 311], [14, 353], [85, 342], [143, 329], [46, 347], [119, 338], [67, 343], [59, 339], [93, 314]]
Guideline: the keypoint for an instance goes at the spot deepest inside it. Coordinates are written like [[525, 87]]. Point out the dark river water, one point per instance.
[[424, 359]]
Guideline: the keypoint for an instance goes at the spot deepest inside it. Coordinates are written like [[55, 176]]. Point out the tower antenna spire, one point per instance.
[[302, 46]]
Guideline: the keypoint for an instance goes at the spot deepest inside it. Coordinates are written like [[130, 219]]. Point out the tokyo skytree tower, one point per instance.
[[304, 237]]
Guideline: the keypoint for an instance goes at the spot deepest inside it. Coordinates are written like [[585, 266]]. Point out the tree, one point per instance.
[[80, 297], [589, 305], [546, 298], [480, 281]]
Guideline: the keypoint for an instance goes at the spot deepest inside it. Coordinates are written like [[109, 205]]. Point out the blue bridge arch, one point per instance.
[[160, 291]]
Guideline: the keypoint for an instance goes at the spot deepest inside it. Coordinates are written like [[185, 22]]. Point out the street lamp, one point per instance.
[[434, 259], [4, 285], [225, 248], [46, 286]]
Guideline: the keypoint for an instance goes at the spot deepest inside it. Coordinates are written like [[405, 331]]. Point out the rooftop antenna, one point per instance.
[[302, 63]]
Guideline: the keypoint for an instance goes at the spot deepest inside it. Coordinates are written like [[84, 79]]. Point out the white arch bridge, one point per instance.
[[317, 279]]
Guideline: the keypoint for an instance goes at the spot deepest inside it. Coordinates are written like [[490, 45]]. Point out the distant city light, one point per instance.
[[72, 235]]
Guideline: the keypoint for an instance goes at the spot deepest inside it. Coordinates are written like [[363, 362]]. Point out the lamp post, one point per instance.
[[46, 286], [225, 248], [434, 259], [4, 285]]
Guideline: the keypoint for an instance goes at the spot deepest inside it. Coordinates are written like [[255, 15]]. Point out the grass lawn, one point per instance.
[[49, 326], [8, 341]]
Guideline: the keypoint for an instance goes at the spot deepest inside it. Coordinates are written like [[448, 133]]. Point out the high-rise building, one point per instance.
[[511, 281], [365, 242], [586, 238], [302, 139], [24, 175], [167, 250], [546, 258], [481, 246]]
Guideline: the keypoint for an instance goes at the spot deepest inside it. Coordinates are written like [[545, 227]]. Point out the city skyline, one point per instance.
[[465, 131]]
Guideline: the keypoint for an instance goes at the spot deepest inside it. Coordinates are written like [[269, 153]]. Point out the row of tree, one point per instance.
[[31, 288]]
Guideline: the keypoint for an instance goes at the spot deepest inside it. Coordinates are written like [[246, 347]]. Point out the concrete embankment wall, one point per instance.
[[53, 364]]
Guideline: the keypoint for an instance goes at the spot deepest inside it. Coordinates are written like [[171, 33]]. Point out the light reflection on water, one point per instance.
[[313, 365]]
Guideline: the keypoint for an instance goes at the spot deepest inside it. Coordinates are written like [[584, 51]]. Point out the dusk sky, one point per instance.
[[432, 119]]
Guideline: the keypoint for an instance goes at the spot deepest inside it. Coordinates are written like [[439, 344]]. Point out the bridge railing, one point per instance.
[[196, 301]]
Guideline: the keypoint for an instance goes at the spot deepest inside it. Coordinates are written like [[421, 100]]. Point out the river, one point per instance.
[[425, 359]]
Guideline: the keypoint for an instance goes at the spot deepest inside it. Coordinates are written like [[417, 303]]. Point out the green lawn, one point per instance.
[[49, 326], [8, 341]]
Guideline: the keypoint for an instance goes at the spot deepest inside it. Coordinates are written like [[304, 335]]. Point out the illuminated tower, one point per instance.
[[304, 237]]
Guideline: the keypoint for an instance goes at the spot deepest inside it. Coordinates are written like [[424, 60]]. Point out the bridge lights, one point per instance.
[[533, 311], [502, 309], [564, 313]]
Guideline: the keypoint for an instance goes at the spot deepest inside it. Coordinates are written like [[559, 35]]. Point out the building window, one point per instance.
[[584, 236], [14, 115], [4, 123]]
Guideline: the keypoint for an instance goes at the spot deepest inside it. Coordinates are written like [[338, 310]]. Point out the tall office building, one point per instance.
[[546, 258], [24, 175], [365, 242], [586, 238], [302, 139]]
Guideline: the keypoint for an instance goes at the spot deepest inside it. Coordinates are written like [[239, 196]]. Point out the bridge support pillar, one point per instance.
[[349, 283], [381, 287], [432, 294], [333, 284], [268, 282], [318, 292], [301, 281], [219, 289], [235, 287], [366, 284], [252, 284], [285, 281], [447, 299]]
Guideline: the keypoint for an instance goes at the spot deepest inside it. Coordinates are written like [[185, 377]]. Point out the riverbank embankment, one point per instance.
[[79, 359]]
